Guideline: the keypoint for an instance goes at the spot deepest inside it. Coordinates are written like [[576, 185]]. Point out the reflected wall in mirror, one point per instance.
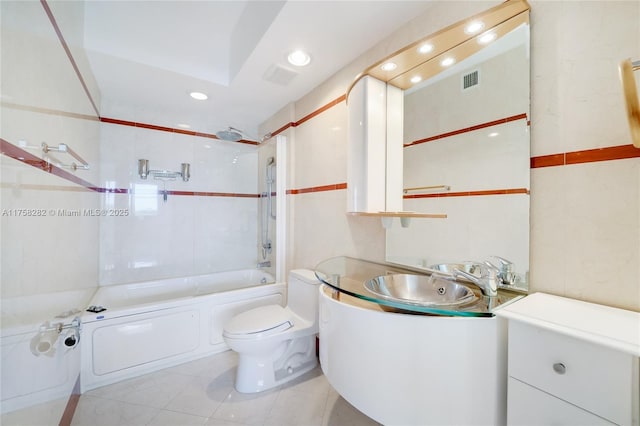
[[466, 154]]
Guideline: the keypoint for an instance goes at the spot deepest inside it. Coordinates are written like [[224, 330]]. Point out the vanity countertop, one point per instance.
[[348, 275], [612, 327]]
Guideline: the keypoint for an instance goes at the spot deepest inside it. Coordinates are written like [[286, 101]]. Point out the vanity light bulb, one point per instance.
[[487, 38], [447, 61], [425, 48]]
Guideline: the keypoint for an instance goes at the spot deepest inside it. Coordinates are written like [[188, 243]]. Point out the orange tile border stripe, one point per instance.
[[17, 153], [310, 116], [620, 152], [322, 188], [470, 193], [166, 129], [320, 110], [469, 129], [547, 161]]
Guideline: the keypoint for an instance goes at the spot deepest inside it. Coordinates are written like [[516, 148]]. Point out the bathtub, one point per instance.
[[152, 325]]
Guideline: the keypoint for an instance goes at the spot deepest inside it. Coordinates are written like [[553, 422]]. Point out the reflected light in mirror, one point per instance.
[[425, 48], [487, 37], [474, 27], [446, 62]]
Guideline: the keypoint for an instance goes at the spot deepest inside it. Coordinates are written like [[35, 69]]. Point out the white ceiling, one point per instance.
[[148, 55]]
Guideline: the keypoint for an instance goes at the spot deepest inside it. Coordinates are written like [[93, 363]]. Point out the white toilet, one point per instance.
[[277, 344]]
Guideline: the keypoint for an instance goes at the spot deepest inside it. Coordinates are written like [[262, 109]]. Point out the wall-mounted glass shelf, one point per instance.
[[400, 214], [348, 276]]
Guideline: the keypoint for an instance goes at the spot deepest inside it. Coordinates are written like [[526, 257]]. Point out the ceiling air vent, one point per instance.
[[279, 75], [469, 80]]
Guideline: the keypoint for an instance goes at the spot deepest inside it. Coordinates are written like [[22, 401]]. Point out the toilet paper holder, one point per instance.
[[44, 343]]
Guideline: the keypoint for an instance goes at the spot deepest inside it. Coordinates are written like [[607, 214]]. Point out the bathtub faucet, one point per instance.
[[266, 264]]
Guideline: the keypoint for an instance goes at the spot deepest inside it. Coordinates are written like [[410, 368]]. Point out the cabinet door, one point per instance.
[[532, 407]]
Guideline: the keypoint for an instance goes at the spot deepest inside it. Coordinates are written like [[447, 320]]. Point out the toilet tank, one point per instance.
[[302, 294]]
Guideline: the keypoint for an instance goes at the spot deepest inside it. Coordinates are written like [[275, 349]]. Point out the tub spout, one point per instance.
[[266, 264]]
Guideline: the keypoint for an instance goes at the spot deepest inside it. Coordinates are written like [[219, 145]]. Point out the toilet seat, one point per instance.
[[259, 322]]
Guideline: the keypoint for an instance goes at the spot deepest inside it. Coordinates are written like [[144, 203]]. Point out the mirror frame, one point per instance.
[[628, 82]]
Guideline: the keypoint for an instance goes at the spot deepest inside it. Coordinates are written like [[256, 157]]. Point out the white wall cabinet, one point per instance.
[[374, 163], [571, 362]]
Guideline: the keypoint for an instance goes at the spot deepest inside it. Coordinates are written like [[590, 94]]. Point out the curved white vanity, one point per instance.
[[402, 368]]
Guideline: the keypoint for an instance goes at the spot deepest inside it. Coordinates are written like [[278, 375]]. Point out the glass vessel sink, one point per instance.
[[402, 289], [422, 290]]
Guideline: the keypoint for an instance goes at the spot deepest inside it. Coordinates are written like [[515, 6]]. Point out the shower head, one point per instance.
[[231, 134], [271, 161]]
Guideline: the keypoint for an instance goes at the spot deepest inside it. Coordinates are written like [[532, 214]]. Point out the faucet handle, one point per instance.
[[489, 270], [504, 263], [507, 274]]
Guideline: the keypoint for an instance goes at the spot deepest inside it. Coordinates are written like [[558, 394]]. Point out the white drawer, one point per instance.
[[596, 378], [529, 406]]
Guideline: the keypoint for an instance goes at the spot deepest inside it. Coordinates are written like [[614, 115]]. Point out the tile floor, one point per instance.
[[201, 393]]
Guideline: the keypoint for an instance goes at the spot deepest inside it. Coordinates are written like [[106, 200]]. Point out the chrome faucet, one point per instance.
[[266, 264], [488, 280], [506, 271]]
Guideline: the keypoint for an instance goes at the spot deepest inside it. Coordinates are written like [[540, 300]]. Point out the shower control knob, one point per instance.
[[290, 370]]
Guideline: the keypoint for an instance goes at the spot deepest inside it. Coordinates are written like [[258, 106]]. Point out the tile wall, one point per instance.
[[584, 214], [207, 224], [55, 249], [49, 251]]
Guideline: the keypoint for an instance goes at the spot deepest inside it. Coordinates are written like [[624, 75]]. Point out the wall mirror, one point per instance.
[[466, 141]]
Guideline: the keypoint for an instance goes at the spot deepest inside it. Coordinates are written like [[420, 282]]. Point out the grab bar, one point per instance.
[[65, 149], [630, 91], [428, 188]]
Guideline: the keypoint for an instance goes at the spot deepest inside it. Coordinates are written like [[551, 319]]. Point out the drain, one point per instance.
[[441, 290]]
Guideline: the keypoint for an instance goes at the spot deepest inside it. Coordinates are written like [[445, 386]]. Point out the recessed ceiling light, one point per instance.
[[299, 58], [416, 79], [183, 126], [389, 66], [474, 27], [493, 135], [425, 48], [447, 61], [198, 96], [487, 37]]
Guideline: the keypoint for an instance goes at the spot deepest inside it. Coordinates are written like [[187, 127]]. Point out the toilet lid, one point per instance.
[[265, 319]]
